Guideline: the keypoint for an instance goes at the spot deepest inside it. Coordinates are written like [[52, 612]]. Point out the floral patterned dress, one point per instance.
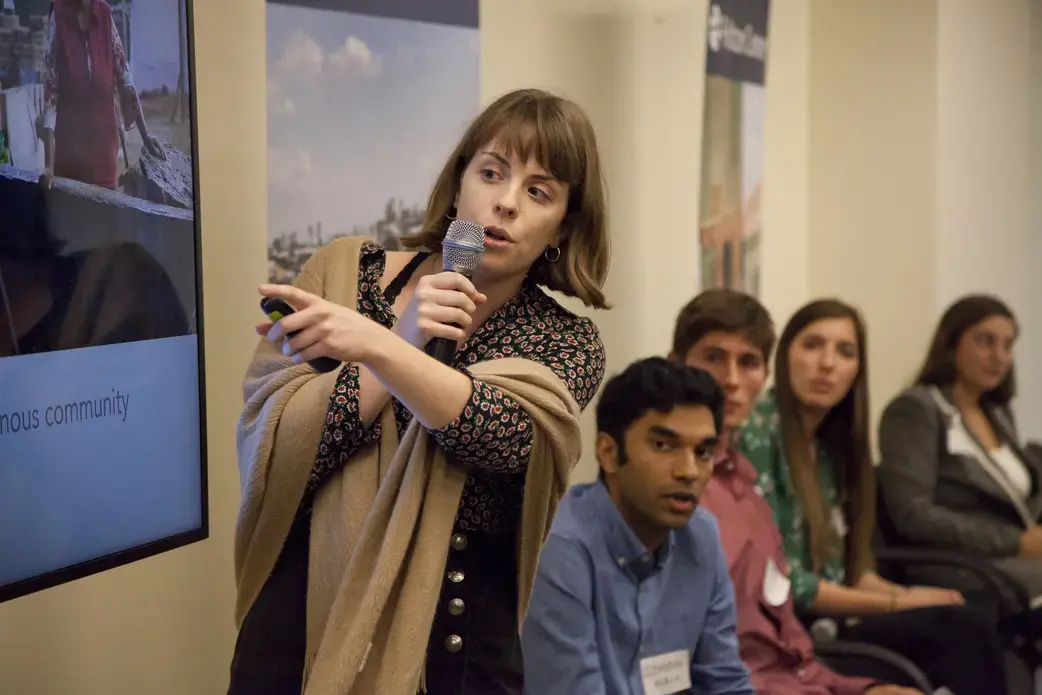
[[760, 440], [493, 435]]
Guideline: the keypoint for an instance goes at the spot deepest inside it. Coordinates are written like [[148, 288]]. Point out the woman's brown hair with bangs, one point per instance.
[[556, 132]]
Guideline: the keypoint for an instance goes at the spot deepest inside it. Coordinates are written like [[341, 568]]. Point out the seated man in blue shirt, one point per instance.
[[633, 596]]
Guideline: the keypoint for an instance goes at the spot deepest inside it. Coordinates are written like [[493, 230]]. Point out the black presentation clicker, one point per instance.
[[276, 309]]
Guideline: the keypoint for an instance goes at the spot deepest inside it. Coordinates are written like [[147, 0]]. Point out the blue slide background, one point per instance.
[[78, 491]]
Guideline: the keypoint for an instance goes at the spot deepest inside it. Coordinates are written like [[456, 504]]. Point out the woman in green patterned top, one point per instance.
[[808, 439]]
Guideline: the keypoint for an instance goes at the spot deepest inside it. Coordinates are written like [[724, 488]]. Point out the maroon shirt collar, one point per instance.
[[733, 469]]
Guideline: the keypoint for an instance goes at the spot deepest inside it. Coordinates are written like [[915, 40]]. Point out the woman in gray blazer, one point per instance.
[[954, 475]]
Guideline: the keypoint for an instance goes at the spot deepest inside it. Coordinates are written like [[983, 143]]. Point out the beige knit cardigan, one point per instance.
[[380, 528]]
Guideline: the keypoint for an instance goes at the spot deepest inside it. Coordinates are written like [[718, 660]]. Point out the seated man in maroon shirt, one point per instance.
[[731, 336]]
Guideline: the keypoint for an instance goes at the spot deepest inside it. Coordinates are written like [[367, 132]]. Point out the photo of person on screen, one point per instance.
[[87, 85], [56, 300]]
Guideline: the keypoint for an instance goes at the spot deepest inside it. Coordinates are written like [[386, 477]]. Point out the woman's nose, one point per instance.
[[507, 203]]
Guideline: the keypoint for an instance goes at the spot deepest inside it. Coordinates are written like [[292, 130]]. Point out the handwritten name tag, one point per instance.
[[838, 522], [775, 585], [666, 674]]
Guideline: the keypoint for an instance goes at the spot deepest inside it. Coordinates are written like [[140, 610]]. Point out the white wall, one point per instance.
[[985, 235], [637, 67], [660, 93], [919, 165], [884, 177], [566, 48], [164, 626], [872, 153], [786, 195], [1030, 348]]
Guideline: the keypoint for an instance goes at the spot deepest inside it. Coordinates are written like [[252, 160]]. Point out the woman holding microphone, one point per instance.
[[393, 509]]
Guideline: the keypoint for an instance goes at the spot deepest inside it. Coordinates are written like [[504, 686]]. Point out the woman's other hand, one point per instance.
[[442, 306], [942, 596], [924, 596]]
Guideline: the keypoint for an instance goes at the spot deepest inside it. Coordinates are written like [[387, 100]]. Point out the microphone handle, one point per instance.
[[444, 349], [441, 349]]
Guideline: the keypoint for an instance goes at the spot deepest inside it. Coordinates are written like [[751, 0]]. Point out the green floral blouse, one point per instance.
[[761, 441]]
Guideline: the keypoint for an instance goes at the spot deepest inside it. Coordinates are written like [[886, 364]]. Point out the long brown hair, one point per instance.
[[939, 367], [844, 435], [560, 136]]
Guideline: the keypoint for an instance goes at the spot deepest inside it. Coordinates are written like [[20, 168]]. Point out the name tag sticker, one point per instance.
[[775, 585], [838, 522], [666, 674]]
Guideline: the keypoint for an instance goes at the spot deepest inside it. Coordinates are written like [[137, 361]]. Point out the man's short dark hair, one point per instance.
[[726, 311], [655, 384]]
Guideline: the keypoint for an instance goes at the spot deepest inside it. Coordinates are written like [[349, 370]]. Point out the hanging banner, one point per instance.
[[730, 224], [366, 99]]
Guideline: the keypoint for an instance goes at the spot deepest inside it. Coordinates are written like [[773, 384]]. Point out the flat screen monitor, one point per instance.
[[102, 428]]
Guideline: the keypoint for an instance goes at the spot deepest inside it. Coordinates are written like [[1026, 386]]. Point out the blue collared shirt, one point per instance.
[[601, 603]]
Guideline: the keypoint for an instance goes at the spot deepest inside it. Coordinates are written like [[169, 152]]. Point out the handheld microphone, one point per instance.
[[824, 630], [461, 250]]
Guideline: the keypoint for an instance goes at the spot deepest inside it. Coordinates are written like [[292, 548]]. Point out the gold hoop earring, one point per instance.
[[555, 257], [450, 217]]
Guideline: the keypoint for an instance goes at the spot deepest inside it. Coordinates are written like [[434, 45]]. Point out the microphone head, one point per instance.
[[462, 247], [824, 630]]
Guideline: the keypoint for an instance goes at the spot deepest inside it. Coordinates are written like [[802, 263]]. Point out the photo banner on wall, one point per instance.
[[730, 220], [365, 102]]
